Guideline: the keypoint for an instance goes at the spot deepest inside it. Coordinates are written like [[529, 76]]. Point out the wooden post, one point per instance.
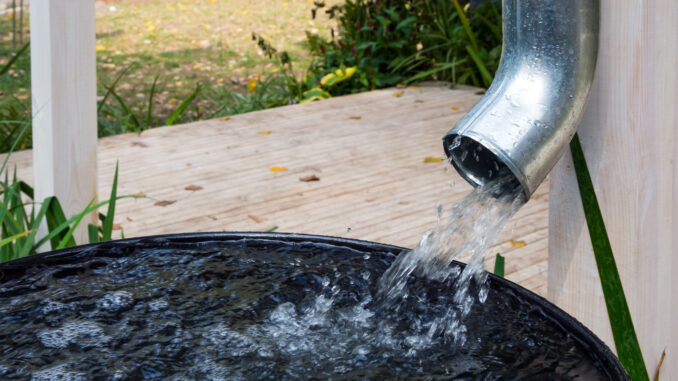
[[63, 76], [628, 134]]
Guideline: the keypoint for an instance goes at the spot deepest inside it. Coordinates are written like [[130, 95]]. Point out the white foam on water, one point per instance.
[[115, 301], [85, 334], [59, 373]]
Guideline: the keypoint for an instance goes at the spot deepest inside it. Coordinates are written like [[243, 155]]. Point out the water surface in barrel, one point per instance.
[[263, 309]]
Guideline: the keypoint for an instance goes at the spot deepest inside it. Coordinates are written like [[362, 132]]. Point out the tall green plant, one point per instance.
[[394, 41], [21, 216], [623, 331], [126, 117]]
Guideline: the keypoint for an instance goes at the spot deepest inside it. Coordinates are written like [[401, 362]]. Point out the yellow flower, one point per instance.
[[278, 169], [100, 47], [252, 85]]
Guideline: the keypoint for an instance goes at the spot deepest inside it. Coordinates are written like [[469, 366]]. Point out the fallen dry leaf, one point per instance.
[[356, 117], [265, 132], [256, 218], [165, 202], [193, 188], [404, 202], [455, 108], [659, 366], [129, 219], [140, 194], [138, 144], [433, 160], [309, 178], [414, 87], [117, 227], [481, 92], [225, 118], [517, 243], [400, 86], [398, 94], [278, 169]]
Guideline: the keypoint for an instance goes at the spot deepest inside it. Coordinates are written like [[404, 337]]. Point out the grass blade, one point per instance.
[[625, 339], [16, 141], [487, 77], [18, 54], [93, 233], [110, 88], [14, 237], [466, 24], [125, 108], [150, 103], [67, 223], [28, 246], [69, 234], [110, 214], [55, 216], [173, 118], [499, 263]]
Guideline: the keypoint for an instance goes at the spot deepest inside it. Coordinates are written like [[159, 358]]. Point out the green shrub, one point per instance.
[[395, 41]]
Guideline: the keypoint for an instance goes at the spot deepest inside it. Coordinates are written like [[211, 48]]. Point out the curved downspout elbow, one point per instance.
[[532, 109]]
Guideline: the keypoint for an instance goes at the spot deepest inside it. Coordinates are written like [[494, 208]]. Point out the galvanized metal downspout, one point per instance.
[[531, 111]]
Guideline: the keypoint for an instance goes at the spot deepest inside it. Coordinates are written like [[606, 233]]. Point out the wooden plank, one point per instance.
[[628, 134], [374, 184], [63, 80]]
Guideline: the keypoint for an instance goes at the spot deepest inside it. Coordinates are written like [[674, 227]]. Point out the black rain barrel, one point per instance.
[[214, 306]]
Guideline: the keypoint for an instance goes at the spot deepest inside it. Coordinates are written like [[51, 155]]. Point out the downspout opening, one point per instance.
[[478, 165]]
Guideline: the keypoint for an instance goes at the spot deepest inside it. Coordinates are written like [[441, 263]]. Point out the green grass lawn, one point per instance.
[[185, 43]]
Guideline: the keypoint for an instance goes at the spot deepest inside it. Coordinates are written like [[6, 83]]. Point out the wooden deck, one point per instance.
[[367, 150]]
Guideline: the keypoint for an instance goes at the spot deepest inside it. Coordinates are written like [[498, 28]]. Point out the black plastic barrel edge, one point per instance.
[[582, 334]]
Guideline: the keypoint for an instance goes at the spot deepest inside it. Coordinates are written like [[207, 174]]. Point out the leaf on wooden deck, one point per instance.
[[517, 243], [278, 169], [138, 144], [271, 229], [481, 92], [309, 178], [455, 108], [267, 132], [225, 118], [403, 202], [193, 188], [140, 194], [256, 219], [432, 159], [400, 86], [356, 117], [398, 94], [117, 227], [165, 202], [414, 86]]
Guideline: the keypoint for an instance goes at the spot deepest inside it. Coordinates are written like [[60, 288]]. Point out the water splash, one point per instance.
[[468, 230]]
